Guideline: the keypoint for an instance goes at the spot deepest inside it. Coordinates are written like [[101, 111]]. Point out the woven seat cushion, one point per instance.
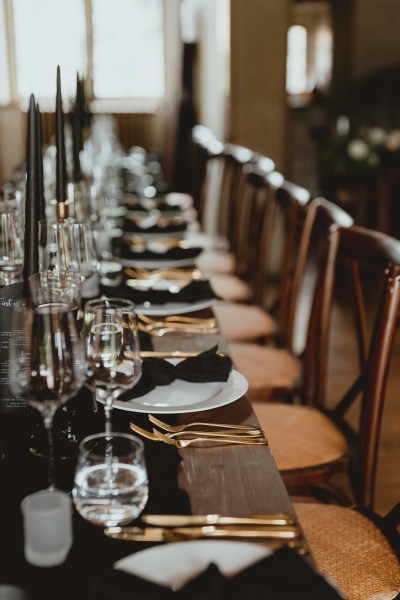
[[244, 322], [216, 261], [265, 368], [350, 550], [229, 287], [299, 436]]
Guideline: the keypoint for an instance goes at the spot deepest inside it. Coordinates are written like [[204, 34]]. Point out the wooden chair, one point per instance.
[[234, 157], [313, 441], [358, 551], [277, 371], [266, 246]]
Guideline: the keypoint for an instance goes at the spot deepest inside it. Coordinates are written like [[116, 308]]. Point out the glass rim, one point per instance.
[[104, 436], [124, 304], [74, 275], [45, 307]]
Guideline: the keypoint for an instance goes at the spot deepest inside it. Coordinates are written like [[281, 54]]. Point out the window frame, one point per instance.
[[9, 66]]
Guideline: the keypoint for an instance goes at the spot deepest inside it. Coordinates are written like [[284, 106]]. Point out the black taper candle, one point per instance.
[[31, 249], [80, 109], [61, 164], [40, 184]]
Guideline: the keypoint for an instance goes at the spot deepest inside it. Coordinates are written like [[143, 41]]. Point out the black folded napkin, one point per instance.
[[205, 367], [282, 576], [123, 250], [194, 292], [133, 227]]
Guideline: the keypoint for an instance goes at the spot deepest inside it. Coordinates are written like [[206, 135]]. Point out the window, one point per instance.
[[309, 49], [118, 46], [296, 65]]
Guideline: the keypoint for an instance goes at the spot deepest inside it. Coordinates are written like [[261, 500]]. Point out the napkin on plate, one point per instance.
[[205, 367], [193, 292], [133, 227], [282, 576]]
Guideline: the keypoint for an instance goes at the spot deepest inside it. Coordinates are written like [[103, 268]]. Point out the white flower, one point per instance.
[[357, 149], [393, 140], [376, 136]]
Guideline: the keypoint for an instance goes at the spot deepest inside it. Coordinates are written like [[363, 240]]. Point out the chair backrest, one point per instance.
[[362, 273], [308, 244], [235, 158], [205, 147]]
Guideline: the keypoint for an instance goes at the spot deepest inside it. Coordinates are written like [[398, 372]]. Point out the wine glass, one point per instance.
[[45, 361], [112, 353], [57, 247], [11, 255], [111, 484], [87, 257], [65, 287]]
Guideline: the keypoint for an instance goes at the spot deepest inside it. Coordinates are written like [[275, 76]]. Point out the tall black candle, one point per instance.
[[61, 164], [80, 110], [40, 184], [77, 135], [31, 251]]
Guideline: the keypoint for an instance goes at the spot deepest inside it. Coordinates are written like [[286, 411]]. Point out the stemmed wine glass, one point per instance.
[[112, 353], [87, 257], [11, 256], [45, 361], [57, 247]]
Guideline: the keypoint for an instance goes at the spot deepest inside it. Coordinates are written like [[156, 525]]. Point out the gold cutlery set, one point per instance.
[[177, 324], [158, 245], [182, 436], [273, 530]]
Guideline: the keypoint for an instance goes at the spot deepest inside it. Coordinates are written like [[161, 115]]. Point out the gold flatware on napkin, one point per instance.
[[172, 354], [175, 428], [164, 273], [214, 519], [274, 538], [157, 245], [159, 329]]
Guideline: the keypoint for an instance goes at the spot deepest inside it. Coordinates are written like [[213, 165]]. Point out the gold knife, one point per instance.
[[214, 519], [160, 534]]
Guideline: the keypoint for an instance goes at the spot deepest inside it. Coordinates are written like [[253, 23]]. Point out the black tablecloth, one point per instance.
[[22, 473]]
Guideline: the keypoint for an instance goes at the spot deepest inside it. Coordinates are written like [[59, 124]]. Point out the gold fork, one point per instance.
[[209, 322], [229, 439], [157, 436], [161, 328], [178, 428]]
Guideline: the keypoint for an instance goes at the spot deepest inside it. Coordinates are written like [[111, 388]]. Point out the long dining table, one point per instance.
[[228, 480]]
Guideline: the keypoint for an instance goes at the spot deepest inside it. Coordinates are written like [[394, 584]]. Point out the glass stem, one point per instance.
[[48, 423], [107, 411]]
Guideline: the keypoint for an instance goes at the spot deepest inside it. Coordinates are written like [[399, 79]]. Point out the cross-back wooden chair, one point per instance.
[[264, 235], [313, 441], [273, 370], [233, 158]]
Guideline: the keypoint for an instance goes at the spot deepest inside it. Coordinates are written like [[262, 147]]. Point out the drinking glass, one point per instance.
[[45, 361], [51, 286], [57, 247], [11, 254], [111, 484], [65, 287], [87, 257], [112, 352]]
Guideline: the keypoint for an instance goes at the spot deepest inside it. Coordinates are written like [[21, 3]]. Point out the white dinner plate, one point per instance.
[[173, 308], [184, 397], [173, 565]]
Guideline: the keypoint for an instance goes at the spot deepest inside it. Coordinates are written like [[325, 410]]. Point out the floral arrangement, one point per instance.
[[354, 155]]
